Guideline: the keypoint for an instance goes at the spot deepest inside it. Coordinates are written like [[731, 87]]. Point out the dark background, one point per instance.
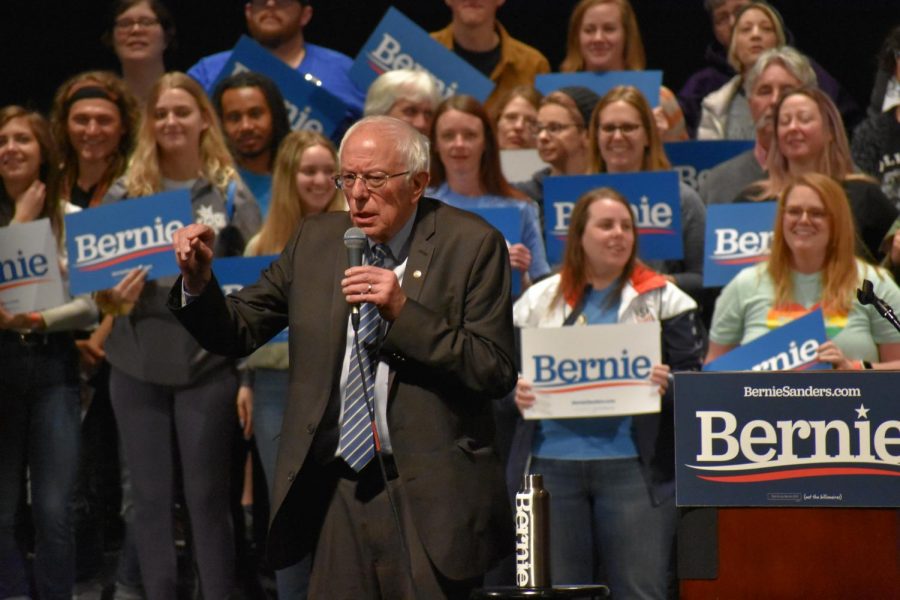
[[44, 41]]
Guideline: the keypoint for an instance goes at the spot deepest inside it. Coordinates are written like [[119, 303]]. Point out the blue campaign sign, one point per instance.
[[398, 43], [791, 347], [737, 236], [829, 438], [106, 242], [693, 160], [654, 199], [308, 105], [647, 82], [235, 272], [508, 221]]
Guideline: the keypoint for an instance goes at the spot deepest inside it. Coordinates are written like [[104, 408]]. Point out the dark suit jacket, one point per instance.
[[450, 352]]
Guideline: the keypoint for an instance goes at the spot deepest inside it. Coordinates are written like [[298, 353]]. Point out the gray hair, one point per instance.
[[796, 63], [400, 84], [411, 145]]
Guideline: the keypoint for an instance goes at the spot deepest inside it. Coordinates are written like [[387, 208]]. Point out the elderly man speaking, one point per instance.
[[386, 469]]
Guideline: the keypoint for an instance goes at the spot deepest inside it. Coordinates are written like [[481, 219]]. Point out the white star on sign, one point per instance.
[[862, 412]]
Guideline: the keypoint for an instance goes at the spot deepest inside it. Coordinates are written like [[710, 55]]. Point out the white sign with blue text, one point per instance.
[[648, 83], [654, 199], [591, 370], [398, 43], [309, 106], [29, 268], [695, 159], [106, 242], [791, 347], [737, 236]]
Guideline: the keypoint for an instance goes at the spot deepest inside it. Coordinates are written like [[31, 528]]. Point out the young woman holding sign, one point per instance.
[[624, 139], [611, 479], [812, 265], [162, 384], [465, 173], [40, 408]]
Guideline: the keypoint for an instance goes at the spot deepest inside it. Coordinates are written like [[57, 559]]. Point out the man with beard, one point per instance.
[[278, 26], [775, 72], [255, 121]]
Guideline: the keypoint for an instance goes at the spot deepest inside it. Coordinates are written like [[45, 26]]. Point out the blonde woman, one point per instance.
[[161, 382]]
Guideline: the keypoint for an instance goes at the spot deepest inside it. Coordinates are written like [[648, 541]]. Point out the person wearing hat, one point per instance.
[[562, 137]]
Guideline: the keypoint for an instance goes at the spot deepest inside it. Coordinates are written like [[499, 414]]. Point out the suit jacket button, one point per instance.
[[310, 428], [291, 476]]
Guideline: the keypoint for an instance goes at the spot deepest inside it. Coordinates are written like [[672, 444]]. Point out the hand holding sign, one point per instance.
[[519, 257], [194, 254]]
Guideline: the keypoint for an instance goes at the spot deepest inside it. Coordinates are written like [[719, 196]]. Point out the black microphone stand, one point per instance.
[[866, 295]]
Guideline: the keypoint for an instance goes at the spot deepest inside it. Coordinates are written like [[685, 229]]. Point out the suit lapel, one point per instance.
[[421, 249]]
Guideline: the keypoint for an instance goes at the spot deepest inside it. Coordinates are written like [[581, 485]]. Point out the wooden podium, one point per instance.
[[802, 553]]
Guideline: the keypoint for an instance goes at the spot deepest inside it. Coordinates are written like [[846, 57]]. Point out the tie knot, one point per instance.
[[381, 256]]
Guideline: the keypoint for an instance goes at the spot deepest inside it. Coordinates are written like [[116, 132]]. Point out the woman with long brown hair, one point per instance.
[[611, 478], [465, 173]]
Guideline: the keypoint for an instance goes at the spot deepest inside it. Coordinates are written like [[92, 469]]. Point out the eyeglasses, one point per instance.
[[515, 118], [625, 128], [127, 24], [551, 128], [374, 181], [813, 214], [257, 4]]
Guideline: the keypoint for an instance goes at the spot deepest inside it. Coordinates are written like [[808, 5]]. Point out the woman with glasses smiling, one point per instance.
[[811, 266], [142, 32], [561, 129], [624, 139]]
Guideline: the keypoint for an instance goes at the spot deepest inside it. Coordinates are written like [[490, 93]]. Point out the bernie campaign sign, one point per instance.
[[235, 272], [737, 236], [107, 242], [654, 200], [398, 43], [828, 438], [647, 82], [309, 106], [693, 160], [29, 267], [791, 347], [508, 221], [591, 370]]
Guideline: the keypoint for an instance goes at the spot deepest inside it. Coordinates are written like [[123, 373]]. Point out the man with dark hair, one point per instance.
[[476, 36], [278, 26], [255, 121]]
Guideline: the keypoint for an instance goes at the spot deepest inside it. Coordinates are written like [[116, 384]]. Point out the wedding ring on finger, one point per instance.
[[369, 289]]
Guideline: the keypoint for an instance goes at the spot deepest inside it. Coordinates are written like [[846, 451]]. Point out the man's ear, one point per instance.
[[420, 182], [306, 15]]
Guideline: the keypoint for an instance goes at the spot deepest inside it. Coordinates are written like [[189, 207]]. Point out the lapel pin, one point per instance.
[[417, 274]]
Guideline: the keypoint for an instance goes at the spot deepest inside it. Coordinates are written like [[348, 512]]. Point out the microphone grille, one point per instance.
[[355, 238]]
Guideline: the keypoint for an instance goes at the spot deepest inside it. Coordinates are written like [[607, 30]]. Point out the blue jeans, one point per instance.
[[604, 527], [270, 391], [40, 426]]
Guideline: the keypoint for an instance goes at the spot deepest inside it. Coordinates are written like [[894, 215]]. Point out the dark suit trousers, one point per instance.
[[359, 554]]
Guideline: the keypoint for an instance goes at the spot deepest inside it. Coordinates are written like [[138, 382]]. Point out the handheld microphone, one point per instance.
[[355, 242]]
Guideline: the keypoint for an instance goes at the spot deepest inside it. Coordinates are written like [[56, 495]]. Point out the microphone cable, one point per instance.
[[370, 407]]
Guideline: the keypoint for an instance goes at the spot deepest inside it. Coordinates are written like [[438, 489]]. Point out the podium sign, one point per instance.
[[787, 439]]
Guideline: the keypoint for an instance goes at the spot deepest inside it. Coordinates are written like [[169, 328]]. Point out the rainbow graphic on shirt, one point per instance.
[[778, 316]]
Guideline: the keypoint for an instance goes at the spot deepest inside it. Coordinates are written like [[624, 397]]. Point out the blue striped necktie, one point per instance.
[[356, 442]]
